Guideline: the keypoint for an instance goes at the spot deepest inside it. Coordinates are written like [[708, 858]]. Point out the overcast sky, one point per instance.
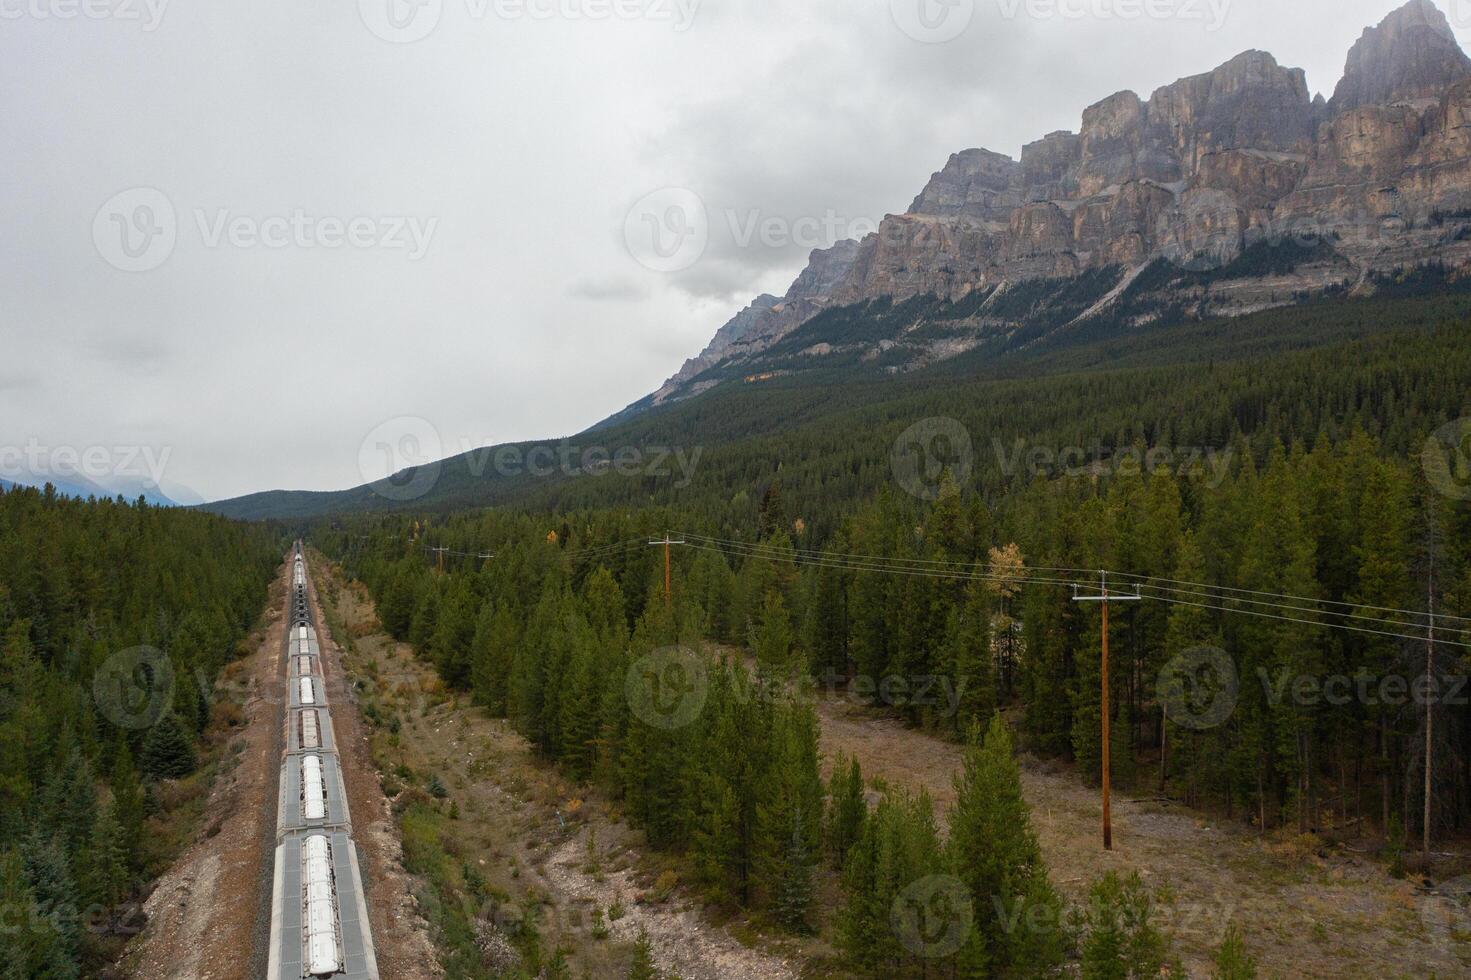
[[246, 236]]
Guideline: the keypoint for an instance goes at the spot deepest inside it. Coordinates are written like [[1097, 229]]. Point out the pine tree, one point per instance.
[[642, 967], [847, 808], [1121, 765], [773, 515], [578, 724], [34, 944], [48, 872], [451, 645], [772, 638], [898, 849], [1231, 959], [426, 614], [167, 753], [603, 604], [497, 635], [1189, 751], [107, 866], [1121, 943], [789, 813], [966, 653], [793, 891], [994, 851], [825, 628], [128, 803]]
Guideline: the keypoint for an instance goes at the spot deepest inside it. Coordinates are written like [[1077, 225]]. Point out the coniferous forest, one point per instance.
[[116, 618], [1295, 563]]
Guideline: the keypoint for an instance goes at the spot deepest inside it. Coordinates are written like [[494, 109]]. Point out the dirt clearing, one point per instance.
[[1303, 913]]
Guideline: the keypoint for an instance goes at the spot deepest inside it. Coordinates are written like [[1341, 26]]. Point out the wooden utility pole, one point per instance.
[[441, 552], [1103, 599], [666, 543], [1429, 700]]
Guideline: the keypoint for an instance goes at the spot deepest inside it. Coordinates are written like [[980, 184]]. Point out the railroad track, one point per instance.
[[319, 912]]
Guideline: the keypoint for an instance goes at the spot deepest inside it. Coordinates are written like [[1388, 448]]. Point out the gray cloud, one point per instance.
[[614, 289], [18, 380]]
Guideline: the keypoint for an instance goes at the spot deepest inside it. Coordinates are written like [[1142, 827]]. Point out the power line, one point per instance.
[[1157, 593], [874, 563], [920, 562], [1143, 584], [843, 564]]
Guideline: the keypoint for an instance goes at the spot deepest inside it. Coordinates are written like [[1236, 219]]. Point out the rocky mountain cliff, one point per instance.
[[1196, 180]]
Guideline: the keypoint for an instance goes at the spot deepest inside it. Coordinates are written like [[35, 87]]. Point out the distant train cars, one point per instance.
[[319, 915]]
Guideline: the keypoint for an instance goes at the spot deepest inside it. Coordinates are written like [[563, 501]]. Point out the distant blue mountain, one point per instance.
[[77, 485]]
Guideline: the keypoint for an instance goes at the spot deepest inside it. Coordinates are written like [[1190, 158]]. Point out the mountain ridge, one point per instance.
[[1196, 175]]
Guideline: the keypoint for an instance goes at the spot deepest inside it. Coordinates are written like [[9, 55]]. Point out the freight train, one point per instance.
[[319, 912]]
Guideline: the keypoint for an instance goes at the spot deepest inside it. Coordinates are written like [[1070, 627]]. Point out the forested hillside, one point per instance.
[[1289, 373], [116, 619], [1293, 566]]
